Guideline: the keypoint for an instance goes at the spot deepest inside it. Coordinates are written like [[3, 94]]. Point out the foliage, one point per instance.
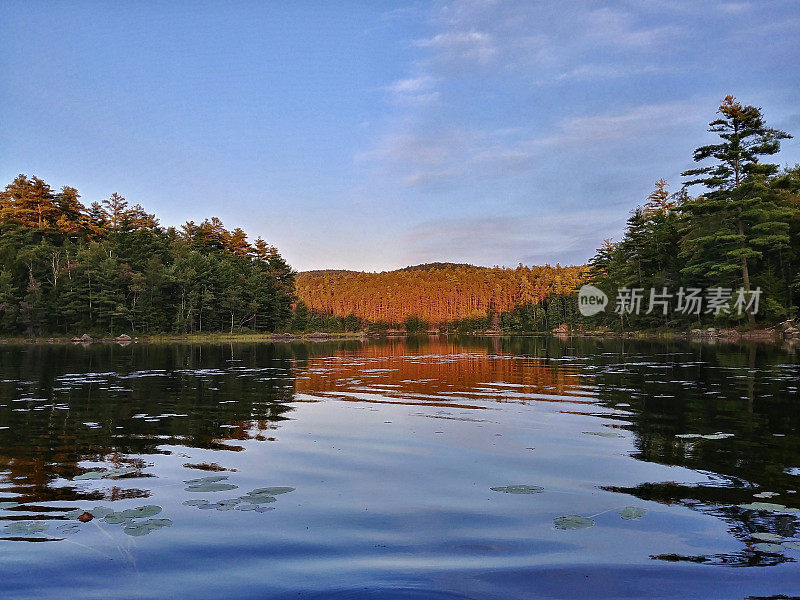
[[113, 269], [434, 295], [743, 232]]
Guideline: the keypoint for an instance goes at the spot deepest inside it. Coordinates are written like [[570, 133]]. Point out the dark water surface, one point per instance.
[[379, 461]]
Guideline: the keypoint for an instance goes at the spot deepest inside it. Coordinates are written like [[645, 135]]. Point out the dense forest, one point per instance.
[[111, 268], [431, 295], [742, 232]]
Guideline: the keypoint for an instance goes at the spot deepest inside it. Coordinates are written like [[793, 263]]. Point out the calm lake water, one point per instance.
[[434, 468]]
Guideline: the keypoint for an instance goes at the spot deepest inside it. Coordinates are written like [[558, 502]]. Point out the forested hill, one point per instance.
[[110, 268], [435, 293]]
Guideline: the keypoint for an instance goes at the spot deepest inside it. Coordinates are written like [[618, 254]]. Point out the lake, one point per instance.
[[435, 468]]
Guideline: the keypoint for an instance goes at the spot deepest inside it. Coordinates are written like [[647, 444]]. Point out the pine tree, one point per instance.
[[731, 224]]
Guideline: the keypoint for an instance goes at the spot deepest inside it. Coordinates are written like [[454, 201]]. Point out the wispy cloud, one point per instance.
[[448, 157]]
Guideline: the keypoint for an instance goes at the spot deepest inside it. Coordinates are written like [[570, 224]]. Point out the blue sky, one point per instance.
[[373, 135]]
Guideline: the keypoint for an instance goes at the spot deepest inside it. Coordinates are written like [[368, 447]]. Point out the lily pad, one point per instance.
[[764, 547], [518, 489], [262, 509], [717, 436], [197, 502], [9, 504], [89, 475], [209, 479], [115, 518], [159, 522], [792, 545], [121, 471], [258, 498], [141, 511], [211, 487], [605, 434], [632, 512], [766, 495], [709, 436], [767, 537], [246, 506], [74, 514], [144, 527], [768, 507], [99, 512], [26, 527], [573, 522], [273, 491]]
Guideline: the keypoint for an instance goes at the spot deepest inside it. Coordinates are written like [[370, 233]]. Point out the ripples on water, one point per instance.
[[366, 470]]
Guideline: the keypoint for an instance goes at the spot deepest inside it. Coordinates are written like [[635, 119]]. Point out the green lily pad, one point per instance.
[[141, 511], [262, 509], [272, 491], [632, 512], [764, 547], [518, 489], [767, 537], [792, 545], [605, 434], [121, 471], [137, 529], [573, 522], [99, 512], [211, 487], [115, 518], [259, 498], [89, 475], [9, 504], [26, 527], [209, 479], [768, 507], [197, 502], [144, 527], [689, 436], [766, 495], [246, 506], [159, 522]]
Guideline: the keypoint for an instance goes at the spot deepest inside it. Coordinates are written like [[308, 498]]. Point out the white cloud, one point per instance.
[[447, 157]]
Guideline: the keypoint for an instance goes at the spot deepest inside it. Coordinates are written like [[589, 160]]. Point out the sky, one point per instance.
[[373, 135]]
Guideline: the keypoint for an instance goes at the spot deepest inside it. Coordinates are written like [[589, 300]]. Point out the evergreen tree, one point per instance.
[[732, 223]]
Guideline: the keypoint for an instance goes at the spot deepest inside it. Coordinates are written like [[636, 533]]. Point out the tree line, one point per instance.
[[739, 235], [110, 268], [432, 295]]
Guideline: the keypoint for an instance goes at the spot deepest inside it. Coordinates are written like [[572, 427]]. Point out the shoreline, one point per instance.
[[773, 335]]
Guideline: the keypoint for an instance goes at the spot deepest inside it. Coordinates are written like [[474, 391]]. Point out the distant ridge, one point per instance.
[[434, 266], [438, 292]]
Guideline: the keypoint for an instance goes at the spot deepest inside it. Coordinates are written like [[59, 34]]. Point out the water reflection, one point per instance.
[[85, 432]]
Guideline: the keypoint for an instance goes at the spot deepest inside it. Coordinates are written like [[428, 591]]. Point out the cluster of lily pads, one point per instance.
[[134, 521], [629, 513], [253, 500]]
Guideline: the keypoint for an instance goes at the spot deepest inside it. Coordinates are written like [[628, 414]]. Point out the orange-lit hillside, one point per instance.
[[437, 293]]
